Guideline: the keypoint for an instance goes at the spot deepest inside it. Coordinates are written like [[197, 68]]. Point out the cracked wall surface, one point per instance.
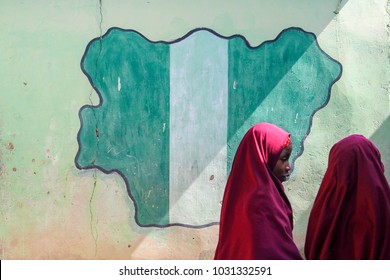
[[49, 209]]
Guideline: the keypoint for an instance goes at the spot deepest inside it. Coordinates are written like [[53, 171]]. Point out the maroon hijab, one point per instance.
[[256, 217], [350, 218]]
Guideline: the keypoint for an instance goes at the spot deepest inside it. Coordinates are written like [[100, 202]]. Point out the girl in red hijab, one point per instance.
[[256, 216], [350, 218]]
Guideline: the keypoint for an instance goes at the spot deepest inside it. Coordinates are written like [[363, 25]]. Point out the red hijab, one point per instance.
[[256, 217], [350, 218]]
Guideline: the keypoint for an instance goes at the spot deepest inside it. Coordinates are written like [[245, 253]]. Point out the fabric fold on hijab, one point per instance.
[[350, 217], [256, 217]]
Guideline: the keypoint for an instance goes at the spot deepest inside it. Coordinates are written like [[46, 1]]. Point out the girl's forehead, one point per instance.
[[287, 149]]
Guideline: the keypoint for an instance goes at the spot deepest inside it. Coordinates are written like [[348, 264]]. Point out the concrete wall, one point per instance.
[[60, 198]]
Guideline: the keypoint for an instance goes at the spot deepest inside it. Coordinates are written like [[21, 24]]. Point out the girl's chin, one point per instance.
[[284, 178]]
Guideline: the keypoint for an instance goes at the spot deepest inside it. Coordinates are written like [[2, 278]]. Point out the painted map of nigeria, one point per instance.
[[171, 114]]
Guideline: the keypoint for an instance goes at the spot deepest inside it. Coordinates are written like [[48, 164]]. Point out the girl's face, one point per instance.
[[282, 167]]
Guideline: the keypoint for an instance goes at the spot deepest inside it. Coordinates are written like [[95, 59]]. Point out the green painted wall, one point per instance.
[[149, 89], [50, 209]]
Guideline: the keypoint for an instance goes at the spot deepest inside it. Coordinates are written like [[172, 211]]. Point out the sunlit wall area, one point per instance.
[[119, 120]]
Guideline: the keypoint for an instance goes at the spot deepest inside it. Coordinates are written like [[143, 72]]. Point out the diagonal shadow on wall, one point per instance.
[[381, 139]]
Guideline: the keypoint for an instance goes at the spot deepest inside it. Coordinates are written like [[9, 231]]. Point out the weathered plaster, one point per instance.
[[51, 210]]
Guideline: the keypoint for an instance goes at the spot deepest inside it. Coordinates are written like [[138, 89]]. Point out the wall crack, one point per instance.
[[93, 219]]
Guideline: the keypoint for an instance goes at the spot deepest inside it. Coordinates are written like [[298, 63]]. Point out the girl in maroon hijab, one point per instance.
[[256, 217], [350, 218]]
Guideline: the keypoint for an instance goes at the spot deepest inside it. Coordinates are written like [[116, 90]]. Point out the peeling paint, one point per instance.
[[10, 146], [95, 220], [119, 83]]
